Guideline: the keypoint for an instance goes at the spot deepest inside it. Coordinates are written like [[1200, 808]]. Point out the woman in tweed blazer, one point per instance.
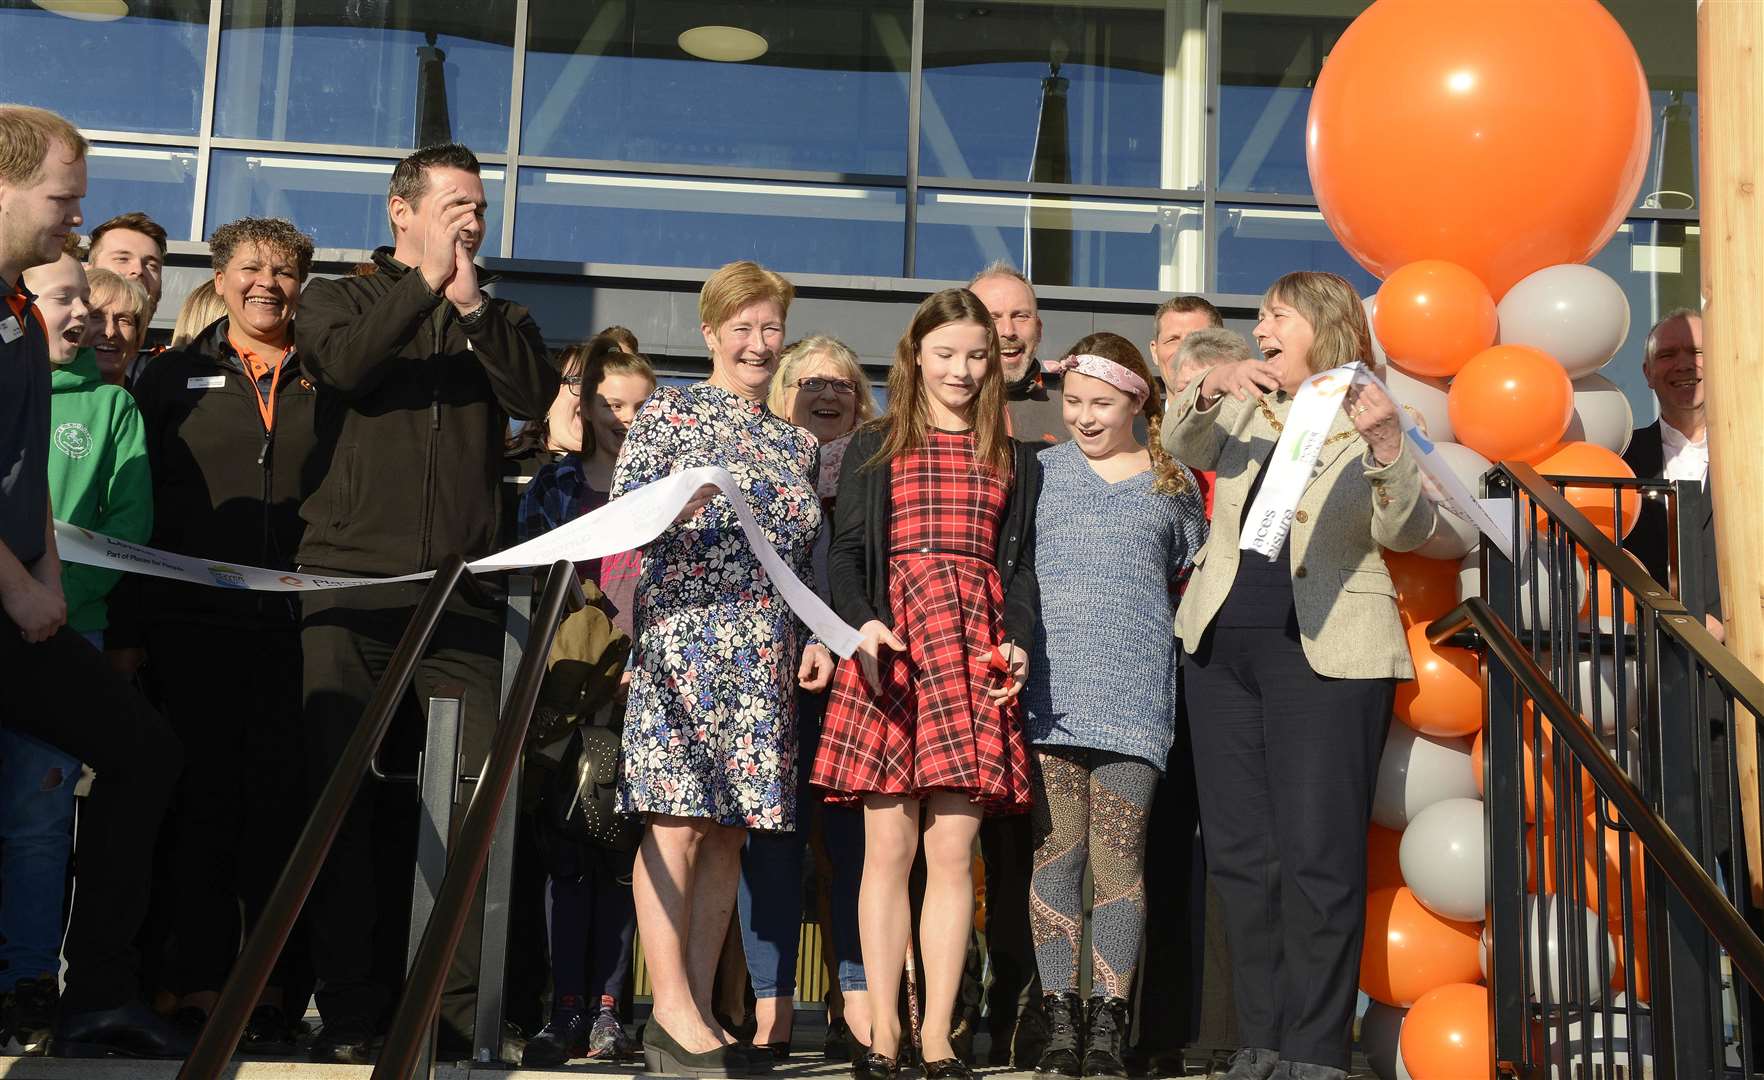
[[1291, 667]]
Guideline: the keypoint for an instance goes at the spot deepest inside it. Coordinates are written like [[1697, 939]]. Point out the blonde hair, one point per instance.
[[906, 424], [107, 286], [26, 133], [797, 357], [740, 285], [202, 308], [1171, 478], [1339, 334]]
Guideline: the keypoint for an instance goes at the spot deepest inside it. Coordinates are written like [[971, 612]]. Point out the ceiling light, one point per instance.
[[729, 44], [86, 10]]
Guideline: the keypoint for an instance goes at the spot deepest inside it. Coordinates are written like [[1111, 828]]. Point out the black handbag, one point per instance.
[[584, 793]]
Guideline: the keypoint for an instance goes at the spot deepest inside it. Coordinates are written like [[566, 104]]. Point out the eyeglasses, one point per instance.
[[814, 385], [573, 383]]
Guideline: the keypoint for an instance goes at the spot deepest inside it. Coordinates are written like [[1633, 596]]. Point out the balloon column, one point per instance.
[[1473, 154]]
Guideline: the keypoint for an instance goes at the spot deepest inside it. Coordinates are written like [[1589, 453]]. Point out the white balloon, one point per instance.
[[1380, 1040], [1598, 682], [1602, 415], [1417, 771], [1573, 312], [1425, 401], [1442, 856], [1454, 536], [1548, 953], [1370, 303], [1531, 615]]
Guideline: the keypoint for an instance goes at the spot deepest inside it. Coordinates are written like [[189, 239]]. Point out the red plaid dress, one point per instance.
[[932, 727]]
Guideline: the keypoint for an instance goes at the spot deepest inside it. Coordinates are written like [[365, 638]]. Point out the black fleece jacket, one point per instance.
[[417, 406], [857, 560]]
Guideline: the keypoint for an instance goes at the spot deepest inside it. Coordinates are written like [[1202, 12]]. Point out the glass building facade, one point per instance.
[[1116, 149]]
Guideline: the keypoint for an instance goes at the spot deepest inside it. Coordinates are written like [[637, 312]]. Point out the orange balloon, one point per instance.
[[1528, 770], [1476, 768], [1409, 950], [1445, 696], [1602, 584], [1606, 897], [1383, 869], [1511, 402], [1607, 508], [1433, 316], [1432, 112], [1445, 1036], [1425, 588]]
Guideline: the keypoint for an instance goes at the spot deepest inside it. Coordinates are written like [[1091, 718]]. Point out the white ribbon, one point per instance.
[[630, 521], [1295, 455]]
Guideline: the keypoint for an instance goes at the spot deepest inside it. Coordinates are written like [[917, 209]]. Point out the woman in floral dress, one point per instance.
[[710, 729]]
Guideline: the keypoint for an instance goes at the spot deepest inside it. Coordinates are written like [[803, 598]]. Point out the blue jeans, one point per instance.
[[770, 897], [36, 841]]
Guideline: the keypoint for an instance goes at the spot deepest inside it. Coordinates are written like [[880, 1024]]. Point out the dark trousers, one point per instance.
[[593, 920], [1185, 993], [63, 692], [1284, 763], [1007, 845], [348, 637], [233, 697]]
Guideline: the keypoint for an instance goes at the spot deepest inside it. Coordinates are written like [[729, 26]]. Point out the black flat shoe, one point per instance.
[[662, 1053], [873, 1066], [267, 1033], [131, 1030], [345, 1043], [948, 1069]]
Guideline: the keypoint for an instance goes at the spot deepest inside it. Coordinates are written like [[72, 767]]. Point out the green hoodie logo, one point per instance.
[[73, 439]]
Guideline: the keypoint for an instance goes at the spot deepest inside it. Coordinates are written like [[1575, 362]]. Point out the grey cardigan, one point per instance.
[[1352, 508]]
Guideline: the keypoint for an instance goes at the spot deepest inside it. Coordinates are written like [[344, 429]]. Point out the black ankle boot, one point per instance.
[[1105, 1037], [1061, 1014]]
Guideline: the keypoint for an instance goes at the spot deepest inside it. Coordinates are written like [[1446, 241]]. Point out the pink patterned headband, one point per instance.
[[1101, 367]]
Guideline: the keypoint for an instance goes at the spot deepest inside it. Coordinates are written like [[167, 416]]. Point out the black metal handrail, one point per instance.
[[404, 1047], [1668, 852], [232, 1010], [1738, 680]]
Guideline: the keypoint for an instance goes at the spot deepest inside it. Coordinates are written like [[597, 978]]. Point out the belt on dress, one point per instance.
[[927, 549]]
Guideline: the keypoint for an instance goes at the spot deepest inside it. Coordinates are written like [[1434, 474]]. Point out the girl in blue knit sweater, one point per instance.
[[1117, 529]]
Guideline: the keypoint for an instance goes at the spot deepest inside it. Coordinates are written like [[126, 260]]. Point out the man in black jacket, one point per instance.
[[418, 373]]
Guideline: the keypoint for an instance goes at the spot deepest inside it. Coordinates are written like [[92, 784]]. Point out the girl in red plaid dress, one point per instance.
[[932, 557]]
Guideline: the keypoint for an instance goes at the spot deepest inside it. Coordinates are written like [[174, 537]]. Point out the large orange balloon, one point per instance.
[[1384, 870], [1584, 885], [1409, 950], [1425, 588], [1607, 508], [1433, 316], [1445, 696], [1501, 135], [1528, 772], [1511, 402], [1445, 1036]]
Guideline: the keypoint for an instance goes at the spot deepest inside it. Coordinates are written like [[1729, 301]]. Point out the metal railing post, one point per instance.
[[437, 787], [1503, 807], [251, 971], [471, 850], [499, 871]]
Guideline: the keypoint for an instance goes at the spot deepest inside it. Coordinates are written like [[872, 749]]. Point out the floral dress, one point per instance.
[[710, 730]]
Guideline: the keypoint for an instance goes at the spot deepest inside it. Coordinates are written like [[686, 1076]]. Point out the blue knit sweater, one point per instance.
[[1109, 557]]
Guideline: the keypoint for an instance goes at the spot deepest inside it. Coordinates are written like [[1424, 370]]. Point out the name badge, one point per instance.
[[10, 331], [206, 382]]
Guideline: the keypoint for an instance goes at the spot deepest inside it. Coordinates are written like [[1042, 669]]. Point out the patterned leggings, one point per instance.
[[1090, 808]]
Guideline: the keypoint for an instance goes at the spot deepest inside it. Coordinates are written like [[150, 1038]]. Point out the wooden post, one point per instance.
[[1730, 107]]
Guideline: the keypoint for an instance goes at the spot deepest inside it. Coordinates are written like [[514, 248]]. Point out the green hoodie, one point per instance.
[[98, 476]]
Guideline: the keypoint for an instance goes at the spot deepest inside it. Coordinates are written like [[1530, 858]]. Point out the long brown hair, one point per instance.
[[1339, 334], [907, 422], [1171, 478], [603, 355]]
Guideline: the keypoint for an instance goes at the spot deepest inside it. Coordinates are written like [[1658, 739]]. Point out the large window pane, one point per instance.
[[1664, 33], [362, 73], [625, 80], [1658, 263], [157, 180], [1257, 244], [339, 202], [1022, 90], [677, 221], [1271, 53], [1099, 243], [103, 67]]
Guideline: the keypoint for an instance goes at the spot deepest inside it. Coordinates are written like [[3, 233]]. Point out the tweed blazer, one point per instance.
[[1352, 508]]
